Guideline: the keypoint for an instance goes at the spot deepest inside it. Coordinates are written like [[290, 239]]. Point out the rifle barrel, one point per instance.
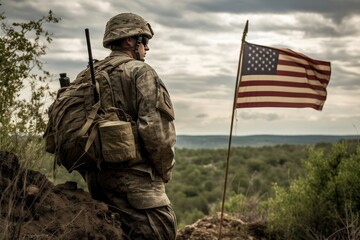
[[91, 65]]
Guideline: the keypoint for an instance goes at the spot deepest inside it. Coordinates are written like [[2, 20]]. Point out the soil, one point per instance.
[[208, 228], [32, 207]]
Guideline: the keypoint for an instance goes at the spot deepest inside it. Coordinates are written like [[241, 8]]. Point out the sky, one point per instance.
[[195, 51]]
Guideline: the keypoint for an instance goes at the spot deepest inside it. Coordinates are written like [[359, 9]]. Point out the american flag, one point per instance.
[[277, 77]]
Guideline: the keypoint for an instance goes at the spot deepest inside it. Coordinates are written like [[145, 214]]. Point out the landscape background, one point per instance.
[[287, 183], [256, 163], [221, 141]]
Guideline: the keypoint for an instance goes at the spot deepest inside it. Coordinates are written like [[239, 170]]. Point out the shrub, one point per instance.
[[324, 203], [248, 209]]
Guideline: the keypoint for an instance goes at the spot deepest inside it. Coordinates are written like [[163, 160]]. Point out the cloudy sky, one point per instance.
[[196, 48]]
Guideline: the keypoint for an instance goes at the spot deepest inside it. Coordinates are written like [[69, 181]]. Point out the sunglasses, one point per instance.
[[144, 40]]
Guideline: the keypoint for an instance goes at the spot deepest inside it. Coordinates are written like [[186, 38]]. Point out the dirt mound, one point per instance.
[[207, 228], [31, 207]]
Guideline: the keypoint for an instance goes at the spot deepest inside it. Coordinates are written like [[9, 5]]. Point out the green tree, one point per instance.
[[21, 46], [325, 203]]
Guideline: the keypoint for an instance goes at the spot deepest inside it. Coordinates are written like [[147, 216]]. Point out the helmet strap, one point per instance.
[[136, 48]]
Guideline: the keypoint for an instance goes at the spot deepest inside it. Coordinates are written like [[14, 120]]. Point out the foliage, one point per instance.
[[325, 202], [22, 119], [198, 178], [196, 187], [248, 209], [41, 161], [21, 46]]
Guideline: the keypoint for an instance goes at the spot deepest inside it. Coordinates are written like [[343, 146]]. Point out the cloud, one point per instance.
[[203, 115], [196, 47], [256, 116], [333, 8]]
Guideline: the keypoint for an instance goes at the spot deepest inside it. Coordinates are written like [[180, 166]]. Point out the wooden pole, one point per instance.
[[231, 126]]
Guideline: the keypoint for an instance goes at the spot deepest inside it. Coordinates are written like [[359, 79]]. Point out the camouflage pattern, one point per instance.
[[137, 90], [140, 201], [126, 25], [137, 190]]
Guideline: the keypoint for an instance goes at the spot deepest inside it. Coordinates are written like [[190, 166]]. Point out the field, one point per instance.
[[263, 187]]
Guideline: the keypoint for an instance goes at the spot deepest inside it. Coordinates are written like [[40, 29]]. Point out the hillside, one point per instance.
[[32, 207]]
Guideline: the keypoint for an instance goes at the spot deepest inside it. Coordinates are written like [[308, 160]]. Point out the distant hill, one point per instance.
[[221, 141]]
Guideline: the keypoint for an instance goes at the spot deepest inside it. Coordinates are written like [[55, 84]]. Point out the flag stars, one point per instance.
[[259, 60]]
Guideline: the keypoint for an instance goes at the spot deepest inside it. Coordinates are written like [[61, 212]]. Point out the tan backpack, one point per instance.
[[84, 132]]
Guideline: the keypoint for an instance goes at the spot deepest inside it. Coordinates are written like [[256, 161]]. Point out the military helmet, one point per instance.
[[126, 25]]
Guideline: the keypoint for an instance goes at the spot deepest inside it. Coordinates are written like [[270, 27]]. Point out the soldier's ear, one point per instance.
[[129, 42]]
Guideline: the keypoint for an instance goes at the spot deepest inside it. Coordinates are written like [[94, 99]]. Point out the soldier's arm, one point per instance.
[[155, 123]]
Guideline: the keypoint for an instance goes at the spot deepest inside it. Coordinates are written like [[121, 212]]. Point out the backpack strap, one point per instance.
[[114, 62], [89, 121], [91, 139], [100, 66]]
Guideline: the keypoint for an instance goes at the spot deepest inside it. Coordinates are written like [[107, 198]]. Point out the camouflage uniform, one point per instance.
[[136, 189]]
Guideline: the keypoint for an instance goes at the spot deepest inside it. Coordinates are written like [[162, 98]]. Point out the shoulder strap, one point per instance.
[[115, 61]]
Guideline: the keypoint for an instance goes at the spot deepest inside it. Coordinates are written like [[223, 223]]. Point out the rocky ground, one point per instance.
[[31, 207]]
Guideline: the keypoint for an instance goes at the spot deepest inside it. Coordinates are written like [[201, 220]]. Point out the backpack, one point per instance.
[[85, 128]]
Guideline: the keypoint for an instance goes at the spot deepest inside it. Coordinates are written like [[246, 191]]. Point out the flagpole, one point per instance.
[[231, 125]]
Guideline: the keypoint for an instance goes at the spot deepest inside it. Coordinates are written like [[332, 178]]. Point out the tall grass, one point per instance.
[[20, 188], [20, 191]]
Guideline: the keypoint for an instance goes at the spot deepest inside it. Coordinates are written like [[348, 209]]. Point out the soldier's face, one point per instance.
[[143, 48]]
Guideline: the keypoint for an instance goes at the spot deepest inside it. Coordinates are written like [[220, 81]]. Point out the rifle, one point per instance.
[[91, 61]]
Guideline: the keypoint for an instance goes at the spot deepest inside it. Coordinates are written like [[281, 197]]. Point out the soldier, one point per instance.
[[136, 190]]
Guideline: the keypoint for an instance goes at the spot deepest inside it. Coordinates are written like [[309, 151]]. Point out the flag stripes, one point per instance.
[[274, 77], [282, 104], [282, 84], [277, 90]]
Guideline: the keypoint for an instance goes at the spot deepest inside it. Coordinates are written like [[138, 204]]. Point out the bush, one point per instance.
[[324, 203], [22, 45], [248, 209]]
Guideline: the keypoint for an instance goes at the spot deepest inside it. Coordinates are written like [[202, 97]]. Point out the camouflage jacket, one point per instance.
[[139, 91]]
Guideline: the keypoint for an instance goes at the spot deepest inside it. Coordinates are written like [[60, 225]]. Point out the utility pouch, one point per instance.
[[117, 141]]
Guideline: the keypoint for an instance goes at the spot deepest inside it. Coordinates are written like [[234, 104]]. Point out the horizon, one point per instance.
[[222, 141], [190, 135]]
